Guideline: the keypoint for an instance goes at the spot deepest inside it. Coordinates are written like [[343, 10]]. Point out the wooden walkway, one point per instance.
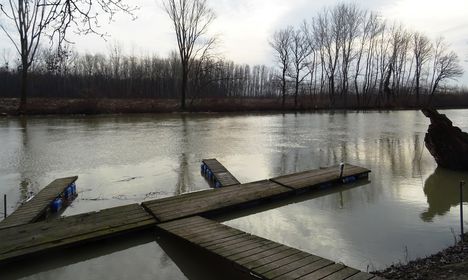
[[222, 177], [238, 196], [38, 206], [207, 201], [29, 239], [321, 178], [179, 215], [257, 256]]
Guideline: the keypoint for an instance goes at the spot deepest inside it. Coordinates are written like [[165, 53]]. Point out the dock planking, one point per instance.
[[257, 256], [180, 216], [236, 196], [220, 173], [29, 239], [320, 177], [203, 202], [36, 208]]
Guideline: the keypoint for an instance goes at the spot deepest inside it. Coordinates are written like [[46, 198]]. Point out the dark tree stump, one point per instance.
[[448, 144]]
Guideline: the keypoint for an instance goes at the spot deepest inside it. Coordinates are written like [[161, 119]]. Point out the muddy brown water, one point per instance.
[[408, 210]]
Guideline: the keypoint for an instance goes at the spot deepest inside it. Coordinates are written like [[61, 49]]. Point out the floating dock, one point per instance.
[[217, 174], [181, 216], [259, 257], [239, 196], [26, 240], [38, 207]]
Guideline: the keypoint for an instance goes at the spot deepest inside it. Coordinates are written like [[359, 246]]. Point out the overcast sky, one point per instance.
[[244, 26]]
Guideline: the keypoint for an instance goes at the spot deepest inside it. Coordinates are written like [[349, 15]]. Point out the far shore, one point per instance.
[[64, 106]]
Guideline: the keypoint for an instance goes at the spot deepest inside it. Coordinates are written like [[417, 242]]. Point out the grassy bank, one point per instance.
[[451, 264], [40, 106]]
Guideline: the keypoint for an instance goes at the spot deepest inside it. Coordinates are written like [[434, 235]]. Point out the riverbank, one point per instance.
[[451, 264], [47, 106]]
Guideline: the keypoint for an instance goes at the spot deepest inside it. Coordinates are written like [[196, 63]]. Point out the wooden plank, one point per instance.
[[220, 173], [258, 256], [247, 193], [323, 272], [297, 273], [234, 196], [316, 178], [342, 274], [25, 240], [263, 249], [279, 263], [263, 255], [37, 207], [226, 241], [276, 272], [280, 254], [201, 203], [362, 276]]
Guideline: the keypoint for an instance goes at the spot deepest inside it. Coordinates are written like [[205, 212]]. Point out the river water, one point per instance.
[[408, 210]]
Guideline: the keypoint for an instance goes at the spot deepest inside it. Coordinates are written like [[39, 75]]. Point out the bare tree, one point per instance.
[[33, 18], [280, 42], [446, 65], [352, 20], [422, 52], [300, 49], [328, 30], [191, 19]]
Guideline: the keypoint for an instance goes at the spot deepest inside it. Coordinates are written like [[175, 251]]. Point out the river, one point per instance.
[[408, 210]]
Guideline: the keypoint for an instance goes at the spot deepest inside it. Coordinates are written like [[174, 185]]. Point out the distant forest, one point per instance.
[[343, 55]]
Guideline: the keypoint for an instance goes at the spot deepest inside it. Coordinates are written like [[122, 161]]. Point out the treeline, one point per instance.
[[73, 75], [343, 54], [346, 51]]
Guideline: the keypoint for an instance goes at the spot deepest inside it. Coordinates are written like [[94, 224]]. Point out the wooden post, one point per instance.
[[4, 206], [461, 211], [341, 170]]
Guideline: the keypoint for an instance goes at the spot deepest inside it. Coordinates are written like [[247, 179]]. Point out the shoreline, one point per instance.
[[61, 106], [450, 263]]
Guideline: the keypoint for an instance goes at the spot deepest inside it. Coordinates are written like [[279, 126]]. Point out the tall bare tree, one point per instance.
[[300, 49], [446, 65], [32, 19], [422, 52], [280, 42], [191, 19]]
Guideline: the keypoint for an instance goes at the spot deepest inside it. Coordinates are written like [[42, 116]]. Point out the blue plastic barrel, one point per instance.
[[73, 186], [69, 193], [349, 179], [57, 204], [202, 168]]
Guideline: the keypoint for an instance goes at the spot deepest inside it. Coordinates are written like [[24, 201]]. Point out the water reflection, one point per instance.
[[49, 263], [133, 158], [442, 189]]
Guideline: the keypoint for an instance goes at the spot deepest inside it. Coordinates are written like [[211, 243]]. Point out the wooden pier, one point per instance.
[[238, 196], [38, 207], [221, 176], [259, 257], [186, 216], [26, 240]]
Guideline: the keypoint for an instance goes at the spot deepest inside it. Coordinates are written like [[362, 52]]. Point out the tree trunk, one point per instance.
[[296, 91], [184, 87], [283, 89], [24, 91]]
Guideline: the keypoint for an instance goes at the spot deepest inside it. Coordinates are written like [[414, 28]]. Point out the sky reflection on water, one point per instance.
[[408, 206]]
